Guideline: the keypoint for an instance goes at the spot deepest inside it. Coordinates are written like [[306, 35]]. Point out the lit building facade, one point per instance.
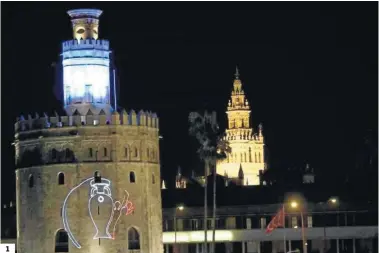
[[337, 219], [88, 180], [247, 156]]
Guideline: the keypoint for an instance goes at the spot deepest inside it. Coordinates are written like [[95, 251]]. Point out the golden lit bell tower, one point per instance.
[[247, 154]]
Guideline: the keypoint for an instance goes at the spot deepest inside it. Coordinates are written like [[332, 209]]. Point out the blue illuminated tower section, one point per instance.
[[88, 72]]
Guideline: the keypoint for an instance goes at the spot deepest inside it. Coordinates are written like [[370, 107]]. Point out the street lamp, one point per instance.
[[294, 204], [333, 202], [180, 208]]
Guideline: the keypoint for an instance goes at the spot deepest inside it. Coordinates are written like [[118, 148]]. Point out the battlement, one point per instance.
[[143, 119], [85, 44]]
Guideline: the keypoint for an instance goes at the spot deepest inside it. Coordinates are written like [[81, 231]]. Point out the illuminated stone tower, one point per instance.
[[247, 156], [88, 181]]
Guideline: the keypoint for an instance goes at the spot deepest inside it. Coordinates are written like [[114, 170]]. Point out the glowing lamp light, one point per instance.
[[294, 204], [180, 208], [333, 200]]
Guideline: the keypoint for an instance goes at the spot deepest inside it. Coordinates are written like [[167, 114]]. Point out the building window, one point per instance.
[[133, 239], [263, 222], [105, 152], [90, 152], [53, 154], [31, 181], [194, 224], [259, 156], [61, 241], [255, 157], [135, 152], [294, 222], [126, 152], [309, 221], [250, 154], [248, 223], [165, 225], [132, 177], [147, 153], [68, 154], [153, 178], [60, 178]]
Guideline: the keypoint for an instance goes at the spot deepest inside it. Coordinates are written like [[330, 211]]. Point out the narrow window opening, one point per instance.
[[153, 179], [105, 152], [97, 177], [90, 152], [126, 151], [133, 239], [53, 154], [61, 178], [61, 241], [68, 154], [132, 177], [31, 181], [135, 152]]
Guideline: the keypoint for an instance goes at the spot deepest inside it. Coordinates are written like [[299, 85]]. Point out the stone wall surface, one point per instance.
[[129, 148]]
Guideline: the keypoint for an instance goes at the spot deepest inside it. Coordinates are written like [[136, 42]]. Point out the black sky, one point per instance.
[[310, 71]]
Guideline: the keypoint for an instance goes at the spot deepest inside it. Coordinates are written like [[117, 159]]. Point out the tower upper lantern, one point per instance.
[[85, 23], [88, 73], [238, 106]]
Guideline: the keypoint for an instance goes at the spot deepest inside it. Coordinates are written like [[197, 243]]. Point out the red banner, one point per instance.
[[277, 221]]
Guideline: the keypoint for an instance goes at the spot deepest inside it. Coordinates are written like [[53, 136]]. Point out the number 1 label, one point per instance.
[[7, 248]]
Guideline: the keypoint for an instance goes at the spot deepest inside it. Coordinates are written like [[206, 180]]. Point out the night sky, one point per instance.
[[310, 71]]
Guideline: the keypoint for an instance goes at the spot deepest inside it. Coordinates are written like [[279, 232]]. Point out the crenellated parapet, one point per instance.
[[85, 44], [142, 118]]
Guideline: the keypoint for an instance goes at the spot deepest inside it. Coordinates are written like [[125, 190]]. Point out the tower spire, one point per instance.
[[237, 74]]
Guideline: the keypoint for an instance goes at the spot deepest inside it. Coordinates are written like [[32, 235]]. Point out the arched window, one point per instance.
[[132, 177], [245, 157], [61, 241], [256, 160], [90, 152], [53, 154], [133, 239], [68, 154], [126, 152], [259, 155], [31, 181], [105, 152], [147, 153], [135, 152], [153, 179], [60, 178], [97, 177]]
